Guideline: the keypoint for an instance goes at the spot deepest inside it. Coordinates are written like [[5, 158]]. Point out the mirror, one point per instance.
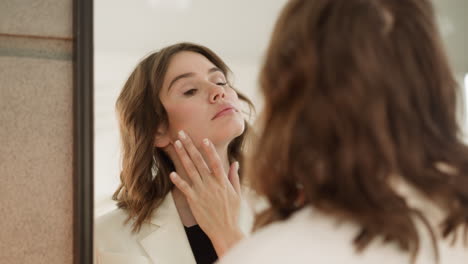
[[238, 31], [126, 31]]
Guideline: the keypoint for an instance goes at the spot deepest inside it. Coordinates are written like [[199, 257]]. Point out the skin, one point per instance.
[[196, 139]]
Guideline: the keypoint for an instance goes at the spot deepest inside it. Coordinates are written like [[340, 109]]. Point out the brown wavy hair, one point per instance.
[[145, 168], [357, 91]]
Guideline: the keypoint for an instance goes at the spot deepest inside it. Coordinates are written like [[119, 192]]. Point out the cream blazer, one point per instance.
[[310, 236], [162, 240]]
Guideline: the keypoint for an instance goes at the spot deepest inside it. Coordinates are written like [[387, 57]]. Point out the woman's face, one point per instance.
[[198, 100]]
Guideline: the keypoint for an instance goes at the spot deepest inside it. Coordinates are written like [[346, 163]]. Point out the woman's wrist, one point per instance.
[[226, 241]]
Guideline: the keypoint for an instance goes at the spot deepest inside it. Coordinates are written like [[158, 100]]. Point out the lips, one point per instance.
[[223, 110]]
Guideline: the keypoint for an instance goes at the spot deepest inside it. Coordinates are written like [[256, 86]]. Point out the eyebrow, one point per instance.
[[190, 74]]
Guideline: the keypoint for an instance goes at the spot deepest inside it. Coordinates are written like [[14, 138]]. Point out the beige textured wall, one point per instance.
[[36, 131]]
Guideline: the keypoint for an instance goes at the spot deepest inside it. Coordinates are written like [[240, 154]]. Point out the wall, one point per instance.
[[36, 131]]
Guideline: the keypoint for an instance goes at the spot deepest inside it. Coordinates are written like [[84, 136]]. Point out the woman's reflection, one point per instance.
[[181, 88]]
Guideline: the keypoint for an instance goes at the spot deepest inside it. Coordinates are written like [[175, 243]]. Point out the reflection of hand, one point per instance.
[[213, 197]]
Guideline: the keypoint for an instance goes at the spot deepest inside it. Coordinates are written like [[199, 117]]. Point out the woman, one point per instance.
[[360, 157], [176, 101]]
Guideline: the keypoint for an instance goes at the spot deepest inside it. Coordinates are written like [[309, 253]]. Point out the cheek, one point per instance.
[[232, 95], [182, 115]]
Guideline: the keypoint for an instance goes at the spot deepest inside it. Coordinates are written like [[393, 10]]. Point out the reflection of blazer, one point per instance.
[[161, 240]]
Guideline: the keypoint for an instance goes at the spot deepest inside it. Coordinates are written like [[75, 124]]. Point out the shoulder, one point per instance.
[[115, 219], [276, 237], [112, 226], [306, 236], [114, 240]]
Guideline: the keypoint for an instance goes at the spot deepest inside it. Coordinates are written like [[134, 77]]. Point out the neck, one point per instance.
[[183, 208]]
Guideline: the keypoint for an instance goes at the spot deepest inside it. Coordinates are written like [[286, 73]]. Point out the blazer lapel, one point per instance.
[[167, 242]]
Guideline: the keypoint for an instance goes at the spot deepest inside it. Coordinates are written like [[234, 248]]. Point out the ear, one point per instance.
[[162, 138]]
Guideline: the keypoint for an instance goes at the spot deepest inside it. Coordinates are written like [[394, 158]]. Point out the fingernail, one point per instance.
[[206, 142], [173, 175], [237, 166], [178, 144], [182, 134]]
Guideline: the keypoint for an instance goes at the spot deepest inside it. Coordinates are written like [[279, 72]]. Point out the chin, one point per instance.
[[238, 128], [229, 132]]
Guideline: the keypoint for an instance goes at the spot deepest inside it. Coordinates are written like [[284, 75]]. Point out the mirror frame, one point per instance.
[[83, 132]]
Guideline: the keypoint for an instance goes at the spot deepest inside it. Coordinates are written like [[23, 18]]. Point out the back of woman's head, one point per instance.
[[357, 91], [145, 168]]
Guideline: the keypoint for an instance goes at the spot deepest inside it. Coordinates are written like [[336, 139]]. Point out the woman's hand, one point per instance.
[[214, 197]]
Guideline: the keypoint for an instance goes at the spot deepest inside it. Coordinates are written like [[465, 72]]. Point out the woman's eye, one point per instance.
[[190, 92], [221, 83]]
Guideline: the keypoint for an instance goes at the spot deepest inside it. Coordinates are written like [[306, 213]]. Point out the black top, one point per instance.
[[201, 245]]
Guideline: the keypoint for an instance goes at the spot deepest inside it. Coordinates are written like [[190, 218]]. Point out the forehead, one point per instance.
[[185, 62]]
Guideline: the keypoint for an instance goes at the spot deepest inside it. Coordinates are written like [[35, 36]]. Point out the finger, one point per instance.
[[187, 163], [234, 177], [213, 160], [195, 155], [182, 185]]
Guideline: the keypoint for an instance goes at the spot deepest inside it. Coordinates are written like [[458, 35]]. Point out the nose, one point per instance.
[[216, 93]]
